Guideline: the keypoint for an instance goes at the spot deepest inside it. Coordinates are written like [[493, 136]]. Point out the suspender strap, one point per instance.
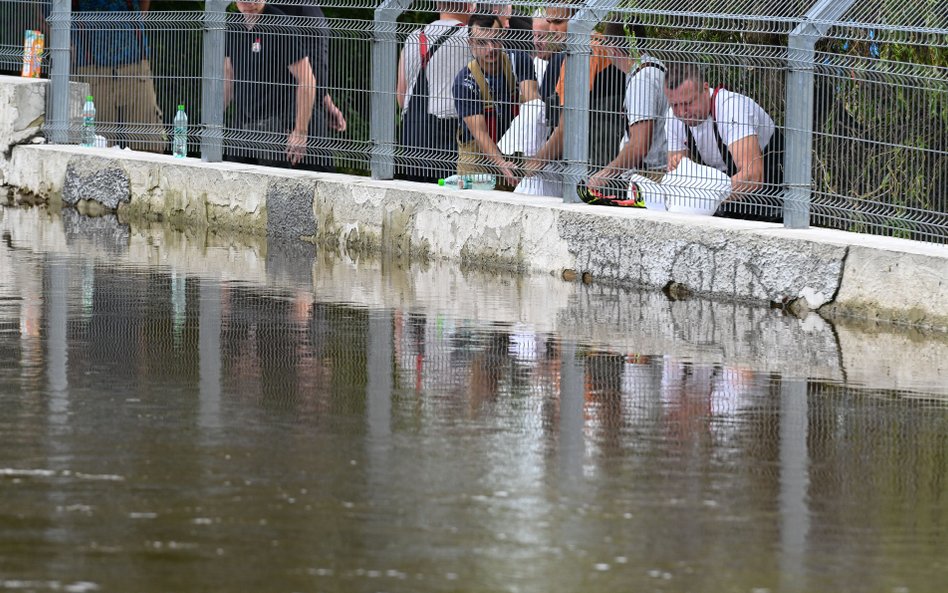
[[731, 168], [695, 155]]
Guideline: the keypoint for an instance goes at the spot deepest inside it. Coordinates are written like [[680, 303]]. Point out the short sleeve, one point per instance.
[[675, 133], [643, 97], [523, 65], [467, 96], [735, 117]]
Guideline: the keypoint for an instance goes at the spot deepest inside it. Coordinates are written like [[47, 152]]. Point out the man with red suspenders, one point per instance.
[[429, 61], [731, 133], [113, 60]]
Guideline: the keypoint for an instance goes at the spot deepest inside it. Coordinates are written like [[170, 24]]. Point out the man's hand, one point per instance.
[[601, 181], [533, 167], [337, 121], [508, 170], [295, 147]]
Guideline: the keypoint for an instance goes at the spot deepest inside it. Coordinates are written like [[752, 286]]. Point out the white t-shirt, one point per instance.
[[645, 100], [737, 117], [539, 68], [453, 55]]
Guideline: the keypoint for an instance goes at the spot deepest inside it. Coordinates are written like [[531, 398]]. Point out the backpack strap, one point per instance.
[[427, 53], [481, 79], [645, 65]]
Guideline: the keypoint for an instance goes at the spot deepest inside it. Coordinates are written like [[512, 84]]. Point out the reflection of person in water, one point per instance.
[[602, 396], [488, 367], [694, 396]]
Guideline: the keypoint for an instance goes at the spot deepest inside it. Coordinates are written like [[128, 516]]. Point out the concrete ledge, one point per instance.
[[845, 273], [23, 112]]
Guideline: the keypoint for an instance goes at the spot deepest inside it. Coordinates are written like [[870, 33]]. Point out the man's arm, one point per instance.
[[750, 165], [631, 155], [529, 90], [302, 71], [228, 81], [401, 87], [477, 124]]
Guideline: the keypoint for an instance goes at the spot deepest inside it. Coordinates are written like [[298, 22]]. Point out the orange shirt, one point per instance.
[[598, 61]]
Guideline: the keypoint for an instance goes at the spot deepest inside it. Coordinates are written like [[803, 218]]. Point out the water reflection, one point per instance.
[[193, 413]]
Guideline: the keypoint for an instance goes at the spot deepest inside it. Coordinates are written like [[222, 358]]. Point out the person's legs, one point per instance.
[[139, 108], [101, 86]]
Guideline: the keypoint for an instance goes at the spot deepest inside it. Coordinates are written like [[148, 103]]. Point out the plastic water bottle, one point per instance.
[[88, 123], [179, 140], [469, 181]]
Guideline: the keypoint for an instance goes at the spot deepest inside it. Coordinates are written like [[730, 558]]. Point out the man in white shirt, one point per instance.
[[431, 58], [643, 146], [726, 131]]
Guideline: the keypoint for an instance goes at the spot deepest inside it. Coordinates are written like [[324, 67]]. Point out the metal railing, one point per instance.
[[849, 103]]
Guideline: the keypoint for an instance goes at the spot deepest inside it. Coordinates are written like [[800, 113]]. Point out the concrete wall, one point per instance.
[[844, 273], [23, 113]]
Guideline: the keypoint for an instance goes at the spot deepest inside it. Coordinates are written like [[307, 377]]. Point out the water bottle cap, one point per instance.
[[441, 182], [89, 98], [180, 107]]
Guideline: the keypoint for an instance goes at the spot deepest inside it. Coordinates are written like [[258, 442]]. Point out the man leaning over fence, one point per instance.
[[112, 56], [643, 145], [607, 88], [431, 58], [485, 93], [729, 132], [269, 77], [326, 115]]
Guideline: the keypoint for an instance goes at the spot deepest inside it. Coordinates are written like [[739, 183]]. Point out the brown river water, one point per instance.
[[193, 412]]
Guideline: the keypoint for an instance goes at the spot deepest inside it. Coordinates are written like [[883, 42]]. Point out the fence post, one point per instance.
[[60, 23], [212, 87], [576, 102], [384, 65], [798, 156]]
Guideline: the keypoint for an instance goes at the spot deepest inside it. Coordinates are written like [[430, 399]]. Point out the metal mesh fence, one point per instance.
[[138, 67], [20, 18], [591, 100]]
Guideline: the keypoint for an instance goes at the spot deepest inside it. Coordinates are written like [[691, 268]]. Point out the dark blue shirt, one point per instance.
[[468, 100], [261, 59], [548, 88], [522, 63], [109, 43]]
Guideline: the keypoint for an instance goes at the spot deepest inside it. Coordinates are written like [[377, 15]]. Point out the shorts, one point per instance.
[[126, 107]]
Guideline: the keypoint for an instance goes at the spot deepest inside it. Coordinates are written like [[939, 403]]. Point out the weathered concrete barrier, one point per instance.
[[848, 273], [837, 272], [23, 112]]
